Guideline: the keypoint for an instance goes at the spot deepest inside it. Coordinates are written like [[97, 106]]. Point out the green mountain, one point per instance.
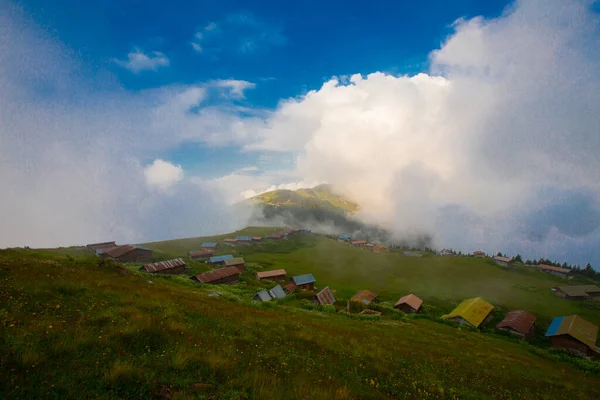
[[318, 208], [320, 197]]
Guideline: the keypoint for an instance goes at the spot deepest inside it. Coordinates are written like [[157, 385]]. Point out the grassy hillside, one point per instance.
[[441, 281], [321, 197], [74, 327]]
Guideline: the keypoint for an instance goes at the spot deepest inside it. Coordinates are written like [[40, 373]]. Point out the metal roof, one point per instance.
[[290, 287], [277, 292], [217, 259], [325, 296], [270, 274], [244, 238], [413, 301], [552, 268], [200, 253], [230, 240], [345, 237], [216, 274], [163, 265], [234, 261], [357, 242], [579, 291], [256, 238], [209, 244], [102, 245], [478, 253], [518, 320], [119, 250], [364, 296], [576, 327], [474, 311], [303, 279], [503, 259], [263, 295]]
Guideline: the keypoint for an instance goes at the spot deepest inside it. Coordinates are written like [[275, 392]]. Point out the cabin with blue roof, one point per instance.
[[575, 335], [219, 260], [306, 281], [209, 246], [244, 239], [344, 238]]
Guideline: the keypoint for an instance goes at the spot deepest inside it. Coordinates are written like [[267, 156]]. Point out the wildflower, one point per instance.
[[50, 327]]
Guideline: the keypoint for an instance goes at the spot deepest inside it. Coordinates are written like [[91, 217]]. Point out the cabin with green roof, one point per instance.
[[575, 335]]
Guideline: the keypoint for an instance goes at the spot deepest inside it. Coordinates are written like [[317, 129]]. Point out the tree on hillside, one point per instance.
[[518, 258], [564, 265], [499, 254]]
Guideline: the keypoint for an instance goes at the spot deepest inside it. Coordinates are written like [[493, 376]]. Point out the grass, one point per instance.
[[71, 327], [441, 281]]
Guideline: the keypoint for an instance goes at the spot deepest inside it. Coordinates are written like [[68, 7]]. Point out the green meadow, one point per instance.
[[73, 326]]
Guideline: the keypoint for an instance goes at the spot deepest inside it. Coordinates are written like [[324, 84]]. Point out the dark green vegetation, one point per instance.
[[75, 327]]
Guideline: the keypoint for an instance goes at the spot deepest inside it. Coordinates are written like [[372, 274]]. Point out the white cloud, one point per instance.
[[235, 87], [475, 150], [506, 110], [138, 61], [69, 164], [162, 174], [238, 33], [197, 47]]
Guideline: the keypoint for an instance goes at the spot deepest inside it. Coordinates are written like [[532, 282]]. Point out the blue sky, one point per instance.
[[294, 47], [463, 116]]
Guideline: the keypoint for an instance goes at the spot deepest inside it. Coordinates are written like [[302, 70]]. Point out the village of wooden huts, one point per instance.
[[174, 267], [237, 262], [200, 255], [479, 254], [306, 281], [579, 292], [364, 297], [271, 294], [519, 323], [127, 253], [504, 261], [325, 296], [358, 243], [226, 275], [564, 273], [574, 334], [210, 246], [92, 248], [475, 312], [344, 238], [274, 275], [219, 260], [409, 304], [243, 240]]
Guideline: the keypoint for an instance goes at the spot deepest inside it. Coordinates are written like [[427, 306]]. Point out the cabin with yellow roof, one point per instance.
[[475, 312]]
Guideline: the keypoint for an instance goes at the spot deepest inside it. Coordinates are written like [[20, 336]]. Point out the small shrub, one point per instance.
[[328, 308]]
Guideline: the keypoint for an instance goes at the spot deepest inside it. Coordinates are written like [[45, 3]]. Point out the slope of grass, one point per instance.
[[320, 197], [442, 281], [79, 328]]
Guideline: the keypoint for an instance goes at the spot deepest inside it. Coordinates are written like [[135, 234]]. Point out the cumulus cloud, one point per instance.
[[235, 87], [239, 33], [138, 61], [69, 156], [494, 147], [507, 111], [162, 174]]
